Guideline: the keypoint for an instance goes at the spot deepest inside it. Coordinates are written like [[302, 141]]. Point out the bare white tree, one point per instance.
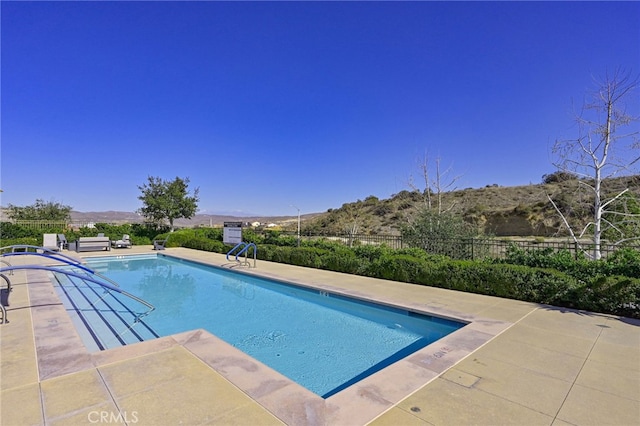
[[352, 219], [603, 149], [436, 186]]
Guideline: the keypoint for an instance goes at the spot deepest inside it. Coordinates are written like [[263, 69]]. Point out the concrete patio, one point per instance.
[[515, 363]]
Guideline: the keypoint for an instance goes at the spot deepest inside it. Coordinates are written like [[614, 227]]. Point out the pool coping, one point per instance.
[[60, 351], [380, 391]]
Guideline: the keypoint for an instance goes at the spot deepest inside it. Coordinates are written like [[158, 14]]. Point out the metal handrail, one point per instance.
[[241, 243], [2, 308], [46, 253], [244, 250], [6, 262], [85, 278], [50, 254], [105, 283]]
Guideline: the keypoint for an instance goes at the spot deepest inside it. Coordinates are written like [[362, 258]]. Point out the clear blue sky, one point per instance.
[[268, 104]]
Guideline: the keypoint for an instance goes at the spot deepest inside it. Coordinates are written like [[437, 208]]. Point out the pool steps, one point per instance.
[[105, 319], [94, 301]]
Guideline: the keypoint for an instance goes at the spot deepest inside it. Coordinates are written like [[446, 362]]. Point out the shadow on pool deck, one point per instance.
[[516, 363]]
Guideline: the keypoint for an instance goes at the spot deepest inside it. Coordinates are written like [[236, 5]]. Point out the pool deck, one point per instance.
[[516, 363]]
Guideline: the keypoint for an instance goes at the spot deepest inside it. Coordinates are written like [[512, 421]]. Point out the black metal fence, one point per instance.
[[60, 224], [393, 241], [469, 248], [480, 248]]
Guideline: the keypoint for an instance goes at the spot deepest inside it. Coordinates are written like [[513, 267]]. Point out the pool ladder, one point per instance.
[[243, 247], [85, 274]]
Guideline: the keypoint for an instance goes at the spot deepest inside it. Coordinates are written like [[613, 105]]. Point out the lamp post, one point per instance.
[[298, 223]]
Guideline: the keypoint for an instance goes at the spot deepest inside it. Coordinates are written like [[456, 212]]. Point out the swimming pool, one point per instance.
[[325, 342]]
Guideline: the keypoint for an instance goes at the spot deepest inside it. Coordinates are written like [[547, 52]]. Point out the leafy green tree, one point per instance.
[[41, 210], [167, 200]]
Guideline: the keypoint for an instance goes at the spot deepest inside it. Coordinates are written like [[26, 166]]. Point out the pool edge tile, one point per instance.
[[266, 386], [294, 404], [135, 350], [59, 348]]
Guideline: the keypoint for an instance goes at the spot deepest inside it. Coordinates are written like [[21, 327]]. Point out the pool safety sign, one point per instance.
[[232, 233]]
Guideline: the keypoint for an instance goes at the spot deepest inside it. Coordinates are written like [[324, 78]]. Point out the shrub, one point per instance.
[[624, 261], [539, 276], [114, 232], [324, 243], [615, 294], [307, 256], [169, 242], [273, 253], [205, 244], [210, 233], [343, 261], [276, 238], [10, 230], [539, 258], [559, 176], [440, 233], [397, 267], [422, 254], [250, 236], [510, 281], [370, 252], [146, 231], [29, 241]]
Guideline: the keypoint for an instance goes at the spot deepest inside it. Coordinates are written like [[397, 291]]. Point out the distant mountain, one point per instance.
[[108, 216], [500, 211], [199, 219]]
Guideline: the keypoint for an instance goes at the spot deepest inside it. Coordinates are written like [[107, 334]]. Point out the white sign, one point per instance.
[[232, 233]]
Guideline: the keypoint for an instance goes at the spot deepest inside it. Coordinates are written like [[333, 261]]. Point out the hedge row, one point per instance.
[[552, 278], [624, 262], [140, 234], [607, 294], [556, 278], [29, 241]]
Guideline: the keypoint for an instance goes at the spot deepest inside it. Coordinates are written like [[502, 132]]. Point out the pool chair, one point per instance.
[[124, 242], [50, 242], [62, 242], [159, 244]]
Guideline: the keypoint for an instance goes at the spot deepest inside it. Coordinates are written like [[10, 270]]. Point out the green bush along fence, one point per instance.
[[552, 273], [467, 248], [31, 232], [42, 225], [598, 286], [464, 249]]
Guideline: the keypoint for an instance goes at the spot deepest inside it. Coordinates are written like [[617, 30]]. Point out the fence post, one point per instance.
[[473, 257]]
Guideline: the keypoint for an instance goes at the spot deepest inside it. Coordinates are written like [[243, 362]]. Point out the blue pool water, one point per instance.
[[322, 341]]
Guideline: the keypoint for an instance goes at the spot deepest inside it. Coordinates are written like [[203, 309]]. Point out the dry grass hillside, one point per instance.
[[500, 211]]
